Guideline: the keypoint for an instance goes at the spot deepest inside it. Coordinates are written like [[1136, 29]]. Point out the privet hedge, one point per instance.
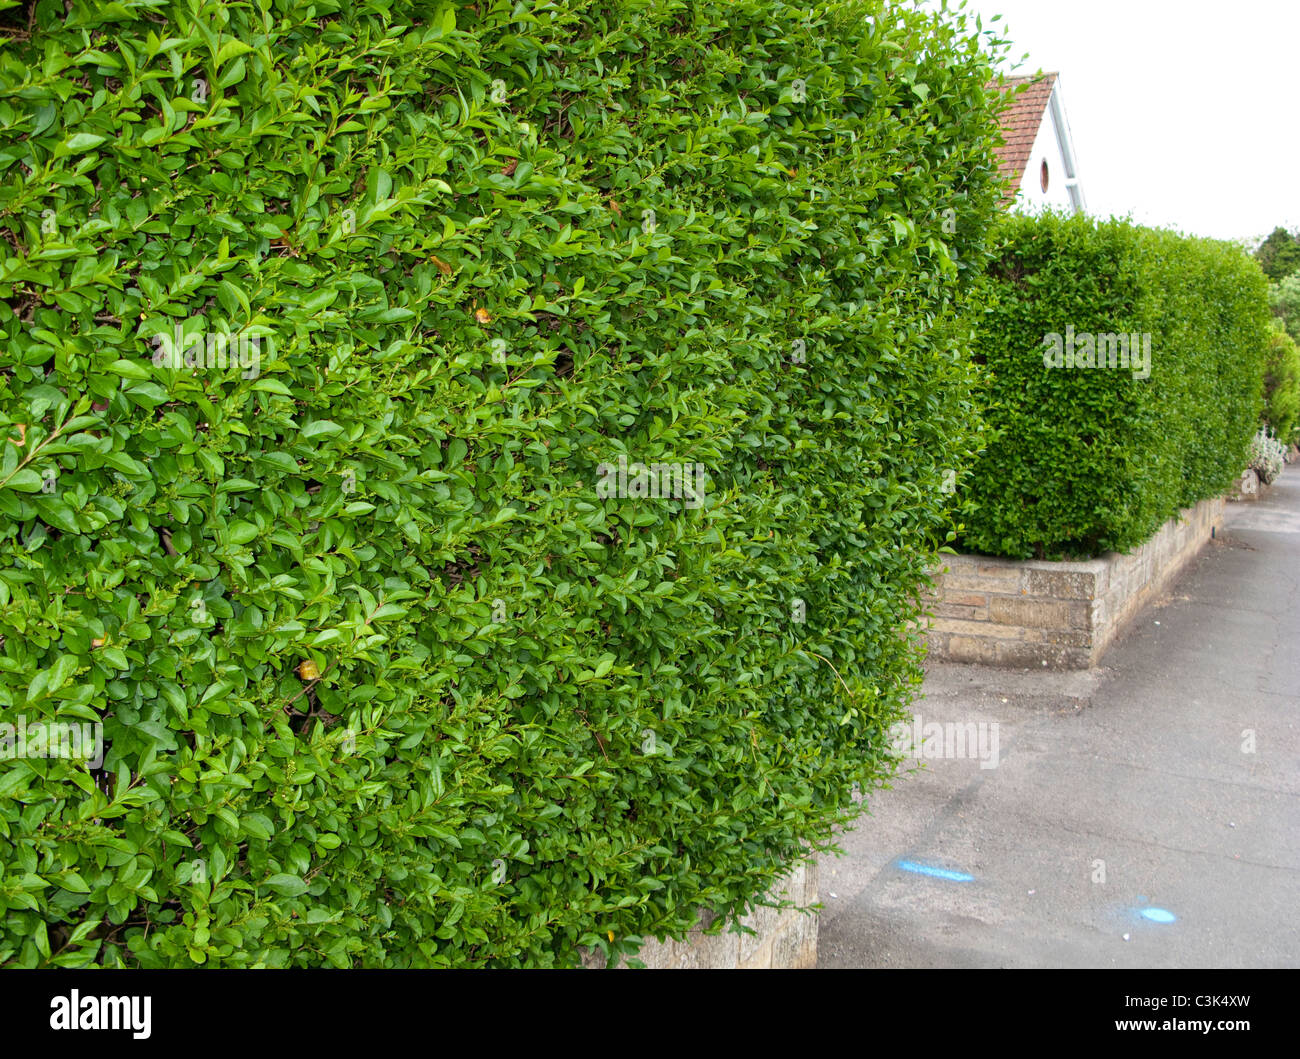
[[1085, 459], [1282, 386], [388, 674]]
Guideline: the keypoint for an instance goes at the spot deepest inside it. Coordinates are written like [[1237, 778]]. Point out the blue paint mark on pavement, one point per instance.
[[938, 873], [1158, 915]]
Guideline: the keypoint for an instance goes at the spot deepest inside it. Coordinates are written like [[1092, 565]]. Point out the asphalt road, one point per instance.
[[1143, 814]]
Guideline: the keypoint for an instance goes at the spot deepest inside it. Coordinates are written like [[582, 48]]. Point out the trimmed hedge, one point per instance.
[[384, 679], [1086, 460], [1282, 387], [1284, 298]]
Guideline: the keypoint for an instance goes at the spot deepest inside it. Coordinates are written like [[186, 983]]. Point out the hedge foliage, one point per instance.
[[1284, 297], [383, 679], [1282, 387], [1083, 460]]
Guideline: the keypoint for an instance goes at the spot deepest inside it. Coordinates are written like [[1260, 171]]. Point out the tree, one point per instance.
[[1279, 254], [1284, 299]]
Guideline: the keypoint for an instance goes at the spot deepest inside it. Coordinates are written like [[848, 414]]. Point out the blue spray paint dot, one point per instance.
[[937, 873], [1158, 915]]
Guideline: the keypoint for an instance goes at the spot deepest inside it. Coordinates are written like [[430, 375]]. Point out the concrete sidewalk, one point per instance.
[[1119, 794]]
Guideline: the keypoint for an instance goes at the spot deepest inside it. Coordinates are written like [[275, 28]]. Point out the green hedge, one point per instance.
[[384, 677], [1084, 460], [1282, 387]]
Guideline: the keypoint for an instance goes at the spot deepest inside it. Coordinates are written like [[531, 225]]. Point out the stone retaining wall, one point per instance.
[[786, 938], [1062, 615]]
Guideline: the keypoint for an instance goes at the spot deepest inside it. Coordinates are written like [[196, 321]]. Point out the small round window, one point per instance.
[[1044, 177]]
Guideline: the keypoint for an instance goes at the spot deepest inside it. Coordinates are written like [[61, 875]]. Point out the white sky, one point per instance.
[[1185, 113]]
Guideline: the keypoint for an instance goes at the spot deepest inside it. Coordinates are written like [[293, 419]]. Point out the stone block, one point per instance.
[[973, 582], [759, 959], [657, 955], [713, 952], [1034, 655], [949, 610], [958, 627], [1066, 639], [967, 573], [795, 947], [1030, 612], [794, 887], [981, 649], [1074, 585], [764, 920]]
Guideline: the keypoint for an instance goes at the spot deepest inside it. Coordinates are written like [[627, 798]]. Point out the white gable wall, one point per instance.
[[1052, 147]]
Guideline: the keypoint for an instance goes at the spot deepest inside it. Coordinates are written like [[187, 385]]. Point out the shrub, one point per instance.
[[1267, 456], [1284, 299], [1086, 460], [1282, 388], [384, 674]]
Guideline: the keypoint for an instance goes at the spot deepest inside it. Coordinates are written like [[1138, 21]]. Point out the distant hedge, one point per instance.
[[1095, 457], [1282, 387], [333, 335]]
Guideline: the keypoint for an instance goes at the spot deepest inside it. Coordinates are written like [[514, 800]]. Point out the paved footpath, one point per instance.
[[1129, 821]]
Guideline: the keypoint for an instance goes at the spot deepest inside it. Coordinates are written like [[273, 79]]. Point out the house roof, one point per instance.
[[1020, 124]]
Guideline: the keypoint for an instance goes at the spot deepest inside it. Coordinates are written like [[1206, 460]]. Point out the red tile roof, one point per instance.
[[1020, 124]]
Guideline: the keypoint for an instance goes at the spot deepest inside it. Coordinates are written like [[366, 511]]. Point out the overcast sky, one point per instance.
[[1185, 113]]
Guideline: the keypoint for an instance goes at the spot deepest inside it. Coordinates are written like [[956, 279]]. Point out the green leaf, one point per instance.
[[287, 885], [321, 428], [84, 141], [50, 680], [25, 481], [242, 532], [258, 825], [130, 369], [84, 929]]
